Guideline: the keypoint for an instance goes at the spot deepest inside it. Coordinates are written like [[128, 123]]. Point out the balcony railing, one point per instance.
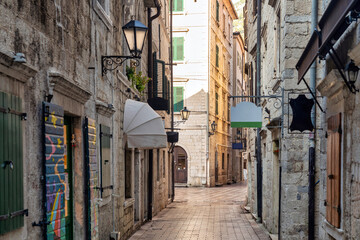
[[159, 94]]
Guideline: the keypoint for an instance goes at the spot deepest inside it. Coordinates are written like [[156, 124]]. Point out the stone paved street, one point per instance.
[[204, 214]]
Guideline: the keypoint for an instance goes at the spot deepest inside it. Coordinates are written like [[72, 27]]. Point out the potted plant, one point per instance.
[[138, 80]]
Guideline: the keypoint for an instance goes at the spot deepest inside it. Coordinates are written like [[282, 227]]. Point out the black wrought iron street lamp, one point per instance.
[[184, 114], [135, 33], [213, 128], [351, 72]]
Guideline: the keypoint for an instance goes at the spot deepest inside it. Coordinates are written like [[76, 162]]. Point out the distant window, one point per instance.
[[178, 98], [102, 3], [178, 5], [178, 48], [105, 158], [229, 31], [102, 9], [217, 11], [163, 164], [217, 56], [216, 103], [128, 173], [224, 20], [254, 7], [158, 165], [223, 161]]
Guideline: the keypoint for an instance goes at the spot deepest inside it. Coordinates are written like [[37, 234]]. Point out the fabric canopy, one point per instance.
[[143, 126]]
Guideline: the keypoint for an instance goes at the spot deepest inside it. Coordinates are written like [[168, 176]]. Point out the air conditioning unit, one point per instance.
[[115, 236]]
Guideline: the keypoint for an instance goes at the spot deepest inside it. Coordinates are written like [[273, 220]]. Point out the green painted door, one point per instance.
[[68, 137]]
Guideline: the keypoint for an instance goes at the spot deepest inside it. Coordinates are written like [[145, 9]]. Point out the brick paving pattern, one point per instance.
[[204, 214]]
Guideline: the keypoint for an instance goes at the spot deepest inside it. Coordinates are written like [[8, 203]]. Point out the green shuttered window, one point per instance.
[[217, 56], [11, 164], [178, 98], [178, 5], [216, 103], [178, 48], [217, 11]]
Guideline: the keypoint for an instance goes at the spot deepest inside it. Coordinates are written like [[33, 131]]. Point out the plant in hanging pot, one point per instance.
[[138, 80]]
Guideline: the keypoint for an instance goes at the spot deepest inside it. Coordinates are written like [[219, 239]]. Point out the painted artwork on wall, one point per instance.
[[54, 171]]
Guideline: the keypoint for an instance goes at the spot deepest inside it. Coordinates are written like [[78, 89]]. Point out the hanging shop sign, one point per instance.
[[301, 107], [246, 115]]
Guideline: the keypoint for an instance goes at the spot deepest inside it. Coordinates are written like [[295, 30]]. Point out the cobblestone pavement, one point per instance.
[[204, 214]]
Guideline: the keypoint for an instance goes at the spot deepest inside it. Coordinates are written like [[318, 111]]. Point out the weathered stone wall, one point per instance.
[[340, 100], [284, 34], [65, 40]]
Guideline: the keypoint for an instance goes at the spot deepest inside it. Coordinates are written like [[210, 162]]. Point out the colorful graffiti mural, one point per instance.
[[54, 171]]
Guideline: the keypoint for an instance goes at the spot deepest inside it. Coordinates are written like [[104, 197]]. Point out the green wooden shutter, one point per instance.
[[54, 170], [92, 173], [178, 5], [217, 56], [11, 179], [178, 48], [178, 98], [217, 11], [216, 103], [174, 48], [333, 181], [105, 155]]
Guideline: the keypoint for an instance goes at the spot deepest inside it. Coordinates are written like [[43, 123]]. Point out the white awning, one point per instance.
[[143, 126]]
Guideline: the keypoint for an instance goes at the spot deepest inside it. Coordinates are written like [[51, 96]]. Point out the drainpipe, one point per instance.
[[258, 92], [150, 68], [149, 38], [172, 98], [312, 137]]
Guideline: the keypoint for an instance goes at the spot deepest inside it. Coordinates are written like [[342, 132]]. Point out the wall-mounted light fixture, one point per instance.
[[351, 72], [135, 33], [213, 126], [184, 114]]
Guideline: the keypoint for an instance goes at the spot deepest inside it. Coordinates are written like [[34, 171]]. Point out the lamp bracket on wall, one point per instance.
[[335, 57], [110, 63]]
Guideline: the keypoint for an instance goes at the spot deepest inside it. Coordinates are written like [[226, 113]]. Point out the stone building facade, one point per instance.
[[73, 174], [279, 166], [202, 80], [338, 193], [238, 89]]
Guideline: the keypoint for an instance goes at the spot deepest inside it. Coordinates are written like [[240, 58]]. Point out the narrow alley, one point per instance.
[[204, 213]]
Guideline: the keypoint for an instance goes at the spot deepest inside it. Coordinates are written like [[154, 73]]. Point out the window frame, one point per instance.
[[175, 5], [105, 192], [175, 98], [217, 11], [175, 49], [217, 56], [104, 14]]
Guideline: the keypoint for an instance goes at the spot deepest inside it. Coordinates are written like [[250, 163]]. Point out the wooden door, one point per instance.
[[180, 158]]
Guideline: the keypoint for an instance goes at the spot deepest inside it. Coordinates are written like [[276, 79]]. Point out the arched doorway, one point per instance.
[[181, 165]]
